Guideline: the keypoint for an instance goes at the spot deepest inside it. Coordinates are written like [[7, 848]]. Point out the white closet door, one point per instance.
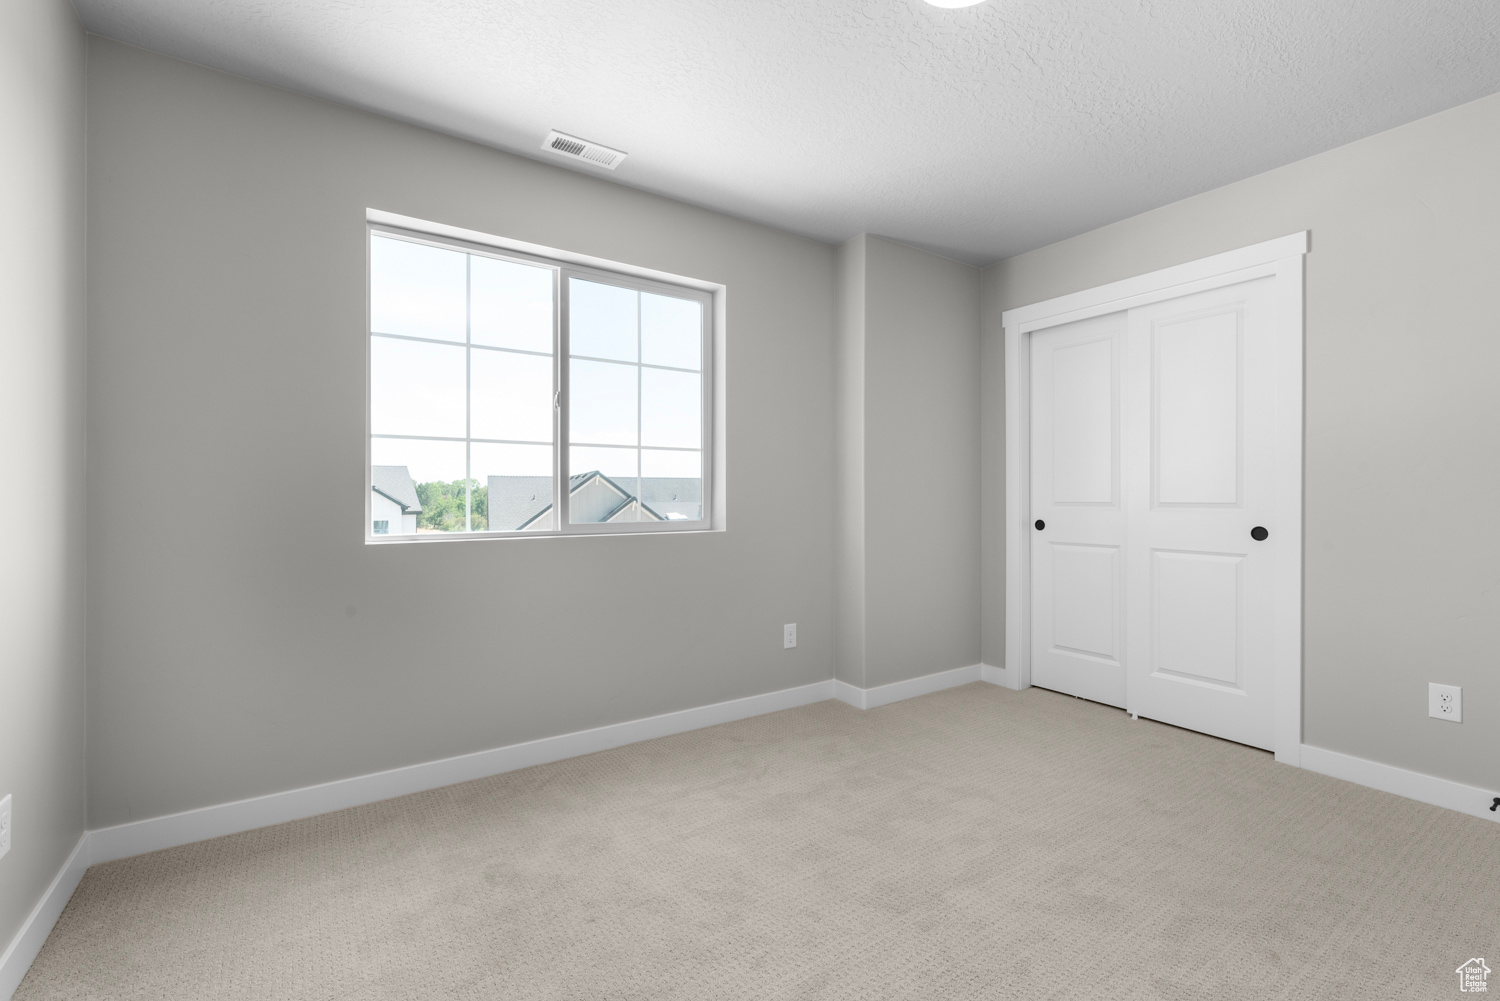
[[1078, 523], [1199, 436]]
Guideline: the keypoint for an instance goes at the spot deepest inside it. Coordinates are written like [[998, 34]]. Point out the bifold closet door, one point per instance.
[[1200, 546], [1078, 523]]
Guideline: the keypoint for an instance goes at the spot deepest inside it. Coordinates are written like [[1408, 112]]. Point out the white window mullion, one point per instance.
[[640, 405], [562, 502]]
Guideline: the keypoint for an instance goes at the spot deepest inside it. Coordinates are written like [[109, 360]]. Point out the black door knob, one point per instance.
[[1259, 534], [1040, 524]]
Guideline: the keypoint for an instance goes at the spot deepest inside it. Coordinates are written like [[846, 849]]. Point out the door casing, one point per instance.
[[1281, 259]]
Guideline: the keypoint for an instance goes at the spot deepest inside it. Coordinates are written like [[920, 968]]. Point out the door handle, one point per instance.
[[1259, 534], [1040, 524]]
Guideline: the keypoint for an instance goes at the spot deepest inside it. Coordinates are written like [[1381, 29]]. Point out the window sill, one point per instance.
[[423, 538]]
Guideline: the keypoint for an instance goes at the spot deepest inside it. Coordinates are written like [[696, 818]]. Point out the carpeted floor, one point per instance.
[[976, 843]]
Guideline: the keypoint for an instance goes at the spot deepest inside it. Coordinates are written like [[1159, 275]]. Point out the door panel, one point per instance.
[[1077, 607], [1086, 599], [1196, 616], [1196, 478], [1085, 432], [1196, 425]]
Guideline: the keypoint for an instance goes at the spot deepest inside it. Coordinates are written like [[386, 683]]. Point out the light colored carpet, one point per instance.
[[976, 843]]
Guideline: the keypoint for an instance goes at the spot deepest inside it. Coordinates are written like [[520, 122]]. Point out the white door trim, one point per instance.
[[1282, 259]]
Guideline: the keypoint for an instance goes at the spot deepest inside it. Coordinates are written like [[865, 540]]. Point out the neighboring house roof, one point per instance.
[[581, 481], [624, 506], [673, 495], [518, 501], [395, 482]]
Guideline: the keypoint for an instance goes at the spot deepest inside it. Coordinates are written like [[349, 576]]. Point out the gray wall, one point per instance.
[[226, 297], [41, 411], [1402, 572], [909, 435], [992, 469], [849, 396]]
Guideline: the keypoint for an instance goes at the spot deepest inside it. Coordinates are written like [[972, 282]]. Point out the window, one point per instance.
[[515, 395]]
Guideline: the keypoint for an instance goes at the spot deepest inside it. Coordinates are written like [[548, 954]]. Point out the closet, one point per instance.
[[1162, 493]]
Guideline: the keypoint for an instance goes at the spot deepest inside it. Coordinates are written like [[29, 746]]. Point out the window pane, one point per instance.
[[417, 290], [515, 482], [511, 396], [416, 388], [602, 408], [602, 485], [417, 486], [602, 320], [672, 484], [511, 304], [671, 331], [671, 408]]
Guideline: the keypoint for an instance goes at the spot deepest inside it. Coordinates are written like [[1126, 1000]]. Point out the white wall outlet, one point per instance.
[[788, 635], [5, 824], [1445, 702]]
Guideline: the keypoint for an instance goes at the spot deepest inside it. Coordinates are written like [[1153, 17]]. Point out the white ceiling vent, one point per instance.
[[582, 149]]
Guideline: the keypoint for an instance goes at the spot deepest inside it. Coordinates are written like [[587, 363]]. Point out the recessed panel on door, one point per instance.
[[1086, 600], [1084, 432], [1196, 420], [1196, 612]]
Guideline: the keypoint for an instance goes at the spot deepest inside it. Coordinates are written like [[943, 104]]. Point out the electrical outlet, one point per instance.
[[5, 824], [1445, 702], [789, 635]]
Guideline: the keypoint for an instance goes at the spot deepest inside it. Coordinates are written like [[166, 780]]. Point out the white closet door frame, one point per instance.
[[1282, 259]]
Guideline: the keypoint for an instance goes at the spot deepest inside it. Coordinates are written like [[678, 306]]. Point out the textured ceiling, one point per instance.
[[979, 133]]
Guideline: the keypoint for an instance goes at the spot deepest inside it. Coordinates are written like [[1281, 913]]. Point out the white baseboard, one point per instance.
[[845, 692], [996, 676], [881, 695], [17, 958], [151, 835], [1413, 785]]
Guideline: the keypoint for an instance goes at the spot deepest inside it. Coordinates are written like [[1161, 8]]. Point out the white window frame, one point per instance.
[[564, 267]]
